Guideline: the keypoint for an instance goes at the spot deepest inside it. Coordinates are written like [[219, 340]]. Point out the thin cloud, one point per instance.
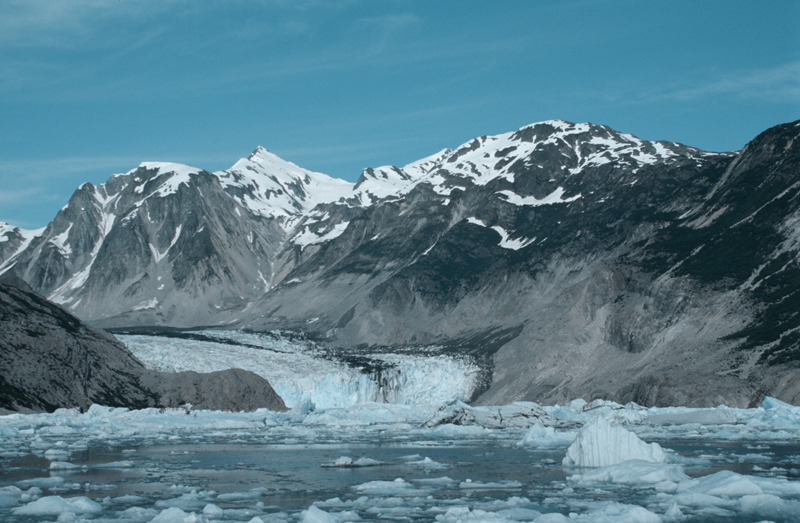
[[776, 84]]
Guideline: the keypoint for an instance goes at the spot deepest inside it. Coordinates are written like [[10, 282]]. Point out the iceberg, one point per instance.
[[600, 444]]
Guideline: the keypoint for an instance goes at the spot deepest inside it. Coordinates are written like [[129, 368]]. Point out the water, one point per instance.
[[270, 466]]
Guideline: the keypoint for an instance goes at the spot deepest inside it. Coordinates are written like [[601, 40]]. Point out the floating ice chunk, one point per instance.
[[176, 515], [600, 443], [57, 454], [428, 464], [316, 515], [63, 465], [189, 501], [518, 414], [519, 514], [702, 416], [398, 487], [347, 461], [553, 517], [240, 496], [498, 485], [213, 511], [56, 505], [435, 481], [115, 465], [8, 501], [674, 511], [723, 483], [767, 505], [8, 432], [731, 484], [52, 481], [539, 436], [633, 472], [614, 512]]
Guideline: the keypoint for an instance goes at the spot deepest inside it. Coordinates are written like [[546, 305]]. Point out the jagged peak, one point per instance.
[[169, 167]]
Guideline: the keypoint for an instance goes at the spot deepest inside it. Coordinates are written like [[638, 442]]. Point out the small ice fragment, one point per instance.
[[63, 465], [634, 472], [115, 465], [56, 505], [57, 454], [316, 515], [674, 511], [175, 515], [213, 511]]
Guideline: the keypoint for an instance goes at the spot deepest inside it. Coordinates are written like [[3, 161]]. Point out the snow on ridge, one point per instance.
[[554, 197], [27, 237], [177, 169], [181, 174], [6, 229], [275, 187], [308, 237]]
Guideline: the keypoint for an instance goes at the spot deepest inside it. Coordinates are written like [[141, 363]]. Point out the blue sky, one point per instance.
[[89, 88]]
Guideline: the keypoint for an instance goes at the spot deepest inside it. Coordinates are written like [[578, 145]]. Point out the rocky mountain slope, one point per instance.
[[573, 259], [49, 359]]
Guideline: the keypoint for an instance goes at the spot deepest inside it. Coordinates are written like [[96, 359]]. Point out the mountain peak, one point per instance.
[[259, 152]]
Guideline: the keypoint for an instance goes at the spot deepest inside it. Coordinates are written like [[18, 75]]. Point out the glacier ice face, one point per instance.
[[298, 372], [601, 443]]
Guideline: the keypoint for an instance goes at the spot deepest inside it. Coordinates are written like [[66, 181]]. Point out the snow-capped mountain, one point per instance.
[[574, 259], [14, 239]]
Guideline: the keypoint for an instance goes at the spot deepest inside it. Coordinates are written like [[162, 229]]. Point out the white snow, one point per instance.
[[601, 443], [278, 188], [150, 304], [552, 198], [308, 237], [158, 256], [174, 175], [60, 241], [507, 242], [6, 230]]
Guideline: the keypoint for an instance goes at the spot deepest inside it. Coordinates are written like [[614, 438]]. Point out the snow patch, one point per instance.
[[552, 198]]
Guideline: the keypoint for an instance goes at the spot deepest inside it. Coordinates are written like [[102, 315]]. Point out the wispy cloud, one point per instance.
[[780, 83]]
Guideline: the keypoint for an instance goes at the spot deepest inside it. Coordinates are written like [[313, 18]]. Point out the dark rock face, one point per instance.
[[626, 270], [50, 359]]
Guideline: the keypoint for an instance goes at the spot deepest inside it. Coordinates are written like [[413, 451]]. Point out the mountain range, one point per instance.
[[572, 260]]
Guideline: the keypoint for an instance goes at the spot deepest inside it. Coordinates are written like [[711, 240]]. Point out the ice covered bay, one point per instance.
[[384, 461]]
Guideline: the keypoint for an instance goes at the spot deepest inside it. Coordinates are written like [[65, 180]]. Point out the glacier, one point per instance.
[[298, 372]]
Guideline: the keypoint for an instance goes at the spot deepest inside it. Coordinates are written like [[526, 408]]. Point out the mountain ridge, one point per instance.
[[631, 259]]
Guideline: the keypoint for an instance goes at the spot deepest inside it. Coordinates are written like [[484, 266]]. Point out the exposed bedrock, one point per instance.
[[49, 359]]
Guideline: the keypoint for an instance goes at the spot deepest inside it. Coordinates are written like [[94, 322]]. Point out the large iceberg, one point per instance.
[[599, 444]]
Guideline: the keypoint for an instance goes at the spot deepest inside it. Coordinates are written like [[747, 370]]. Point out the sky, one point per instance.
[[89, 88]]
